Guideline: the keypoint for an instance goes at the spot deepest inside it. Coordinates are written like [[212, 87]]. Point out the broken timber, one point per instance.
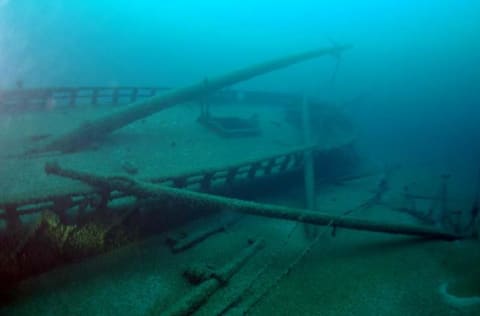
[[200, 235], [194, 299], [196, 199], [94, 130]]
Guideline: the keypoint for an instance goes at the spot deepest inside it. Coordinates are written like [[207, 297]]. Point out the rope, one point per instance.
[[297, 260]]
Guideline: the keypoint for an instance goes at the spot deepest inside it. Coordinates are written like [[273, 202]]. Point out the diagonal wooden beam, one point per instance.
[[202, 200], [94, 130]]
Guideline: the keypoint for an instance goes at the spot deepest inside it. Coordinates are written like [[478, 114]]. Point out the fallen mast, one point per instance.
[[94, 130], [201, 200]]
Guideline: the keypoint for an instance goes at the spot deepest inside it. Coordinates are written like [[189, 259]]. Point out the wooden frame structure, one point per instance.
[[43, 99], [206, 180]]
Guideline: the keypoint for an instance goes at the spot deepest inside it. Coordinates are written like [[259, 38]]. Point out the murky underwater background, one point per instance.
[[410, 85], [411, 80]]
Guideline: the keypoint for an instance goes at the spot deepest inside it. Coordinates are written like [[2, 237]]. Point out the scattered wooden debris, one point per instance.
[[197, 273], [438, 213], [214, 280], [129, 167], [410, 207], [191, 239]]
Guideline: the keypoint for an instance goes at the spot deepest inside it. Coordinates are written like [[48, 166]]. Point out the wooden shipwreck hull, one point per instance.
[[40, 232], [69, 227]]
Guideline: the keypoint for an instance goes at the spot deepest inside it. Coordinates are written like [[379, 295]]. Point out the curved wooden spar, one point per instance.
[[88, 132], [212, 202]]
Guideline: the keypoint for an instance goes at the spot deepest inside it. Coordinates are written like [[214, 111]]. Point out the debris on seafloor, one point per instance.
[[198, 272], [102, 206], [192, 238], [129, 167], [439, 213], [214, 279]]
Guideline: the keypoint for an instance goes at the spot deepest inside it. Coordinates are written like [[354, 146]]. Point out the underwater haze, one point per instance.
[[108, 201], [411, 82]]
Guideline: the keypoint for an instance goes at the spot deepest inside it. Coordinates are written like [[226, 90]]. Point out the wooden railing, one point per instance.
[[20, 100], [203, 180], [48, 98]]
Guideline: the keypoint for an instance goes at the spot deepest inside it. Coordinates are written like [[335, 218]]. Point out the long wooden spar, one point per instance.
[[94, 130], [202, 200]]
